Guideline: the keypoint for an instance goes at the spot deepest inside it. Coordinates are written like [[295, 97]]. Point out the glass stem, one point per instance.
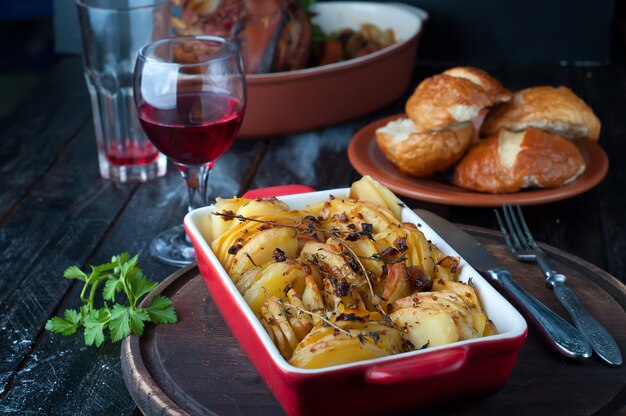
[[197, 179]]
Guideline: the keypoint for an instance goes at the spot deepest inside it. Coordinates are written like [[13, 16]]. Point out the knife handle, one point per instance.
[[601, 341], [563, 337]]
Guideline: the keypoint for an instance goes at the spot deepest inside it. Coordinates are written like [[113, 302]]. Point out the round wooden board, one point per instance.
[[197, 367]]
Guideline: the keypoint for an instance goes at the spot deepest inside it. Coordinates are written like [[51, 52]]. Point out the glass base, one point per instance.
[[172, 247], [132, 173]]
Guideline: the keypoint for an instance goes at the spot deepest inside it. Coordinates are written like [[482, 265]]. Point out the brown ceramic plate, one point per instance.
[[367, 159], [295, 101]]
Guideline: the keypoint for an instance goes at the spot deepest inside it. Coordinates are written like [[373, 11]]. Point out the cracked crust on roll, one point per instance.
[[553, 110], [455, 96], [492, 86], [511, 161], [423, 153]]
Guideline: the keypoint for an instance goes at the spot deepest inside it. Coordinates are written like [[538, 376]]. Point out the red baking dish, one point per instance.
[[411, 380]]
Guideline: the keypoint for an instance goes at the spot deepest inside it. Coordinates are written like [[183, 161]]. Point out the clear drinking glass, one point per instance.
[[112, 32], [190, 94]]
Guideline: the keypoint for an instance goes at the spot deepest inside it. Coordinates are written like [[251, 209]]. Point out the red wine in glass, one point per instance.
[[131, 153], [192, 128]]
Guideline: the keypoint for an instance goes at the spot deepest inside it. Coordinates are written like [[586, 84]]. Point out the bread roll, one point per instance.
[[510, 161], [492, 86], [419, 153], [554, 110], [455, 96]]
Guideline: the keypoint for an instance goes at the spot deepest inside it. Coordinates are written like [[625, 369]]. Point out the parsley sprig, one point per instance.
[[120, 275]]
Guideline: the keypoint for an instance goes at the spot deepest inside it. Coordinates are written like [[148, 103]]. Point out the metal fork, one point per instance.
[[520, 242]]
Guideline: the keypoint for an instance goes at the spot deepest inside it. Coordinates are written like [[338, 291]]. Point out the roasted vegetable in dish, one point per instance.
[[276, 35], [343, 280], [349, 44]]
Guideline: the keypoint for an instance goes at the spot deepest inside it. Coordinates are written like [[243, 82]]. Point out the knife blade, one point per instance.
[[563, 337]]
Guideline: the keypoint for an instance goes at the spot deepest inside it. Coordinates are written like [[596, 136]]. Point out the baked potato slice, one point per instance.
[[426, 327], [259, 249], [368, 189], [332, 262], [274, 280], [326, 346], [221, 224], [312, 298], [262, 208]]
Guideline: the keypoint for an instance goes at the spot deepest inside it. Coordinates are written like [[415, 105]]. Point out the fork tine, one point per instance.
[[507, 237], [509, 223], [518, 229], [529, 236]]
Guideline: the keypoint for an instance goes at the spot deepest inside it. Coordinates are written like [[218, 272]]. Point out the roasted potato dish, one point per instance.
[[344, 280]]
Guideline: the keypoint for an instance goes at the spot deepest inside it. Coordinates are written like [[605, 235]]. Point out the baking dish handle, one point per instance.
[[439, 363], [280, 190]]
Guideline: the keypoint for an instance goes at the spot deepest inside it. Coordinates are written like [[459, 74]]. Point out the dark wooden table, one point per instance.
[[55, 211]]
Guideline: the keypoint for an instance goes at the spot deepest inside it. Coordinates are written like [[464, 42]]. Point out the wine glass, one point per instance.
[[190, 94]]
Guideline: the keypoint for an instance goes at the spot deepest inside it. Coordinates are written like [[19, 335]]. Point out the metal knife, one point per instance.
[[562, 336]]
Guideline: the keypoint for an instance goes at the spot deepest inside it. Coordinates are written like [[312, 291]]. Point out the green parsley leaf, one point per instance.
[[119, 323], [73, 316], [95, 323], [74, 272], [161, 311], [111, 287], [137, 319], [61, 326], [140, 285]]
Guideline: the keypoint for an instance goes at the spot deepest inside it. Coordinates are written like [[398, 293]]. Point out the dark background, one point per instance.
[[573, 32]]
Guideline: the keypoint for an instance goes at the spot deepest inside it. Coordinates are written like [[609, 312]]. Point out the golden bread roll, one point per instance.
[[554, 110], [458, 95], [492, 86], [423, 153], [510, 161]]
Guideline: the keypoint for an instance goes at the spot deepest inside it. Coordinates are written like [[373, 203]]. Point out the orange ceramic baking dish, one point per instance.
[[295, 101]]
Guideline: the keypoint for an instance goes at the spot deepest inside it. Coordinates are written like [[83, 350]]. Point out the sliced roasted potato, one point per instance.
[[312, 297], [274, 279], [301, 322], [325, 346], [465, 291], [426, 327], [341, 213], [259, 249], [331, 261], [221, 224], [242, 231], [368, 189], [490, 328], [262, 207], [468, 321]]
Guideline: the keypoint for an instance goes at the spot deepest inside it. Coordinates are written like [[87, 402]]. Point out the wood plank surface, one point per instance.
[[197, 366], [61, 222], [38, 131]]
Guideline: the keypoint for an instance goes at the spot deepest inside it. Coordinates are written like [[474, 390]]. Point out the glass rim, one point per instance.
[[230, 48], [85, 4]]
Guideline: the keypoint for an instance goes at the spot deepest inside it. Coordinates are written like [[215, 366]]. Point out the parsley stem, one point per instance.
[[92, 294], [82, 293]]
